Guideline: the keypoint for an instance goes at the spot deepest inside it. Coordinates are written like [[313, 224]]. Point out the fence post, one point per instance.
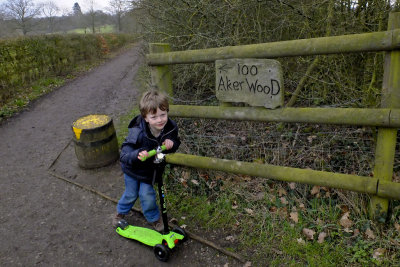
[[386, 139], [161, 76]]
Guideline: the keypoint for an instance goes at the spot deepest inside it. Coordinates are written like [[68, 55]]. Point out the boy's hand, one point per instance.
[[168, 144], [142, 155]]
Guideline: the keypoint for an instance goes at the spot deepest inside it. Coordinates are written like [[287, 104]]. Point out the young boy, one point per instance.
[[147, 131]]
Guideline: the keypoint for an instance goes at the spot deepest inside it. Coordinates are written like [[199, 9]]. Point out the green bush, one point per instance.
[[29, 59]]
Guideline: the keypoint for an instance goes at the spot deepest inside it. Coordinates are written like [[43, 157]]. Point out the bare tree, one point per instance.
[[23, 11], [118, 8], [50, 10], [92, 14]]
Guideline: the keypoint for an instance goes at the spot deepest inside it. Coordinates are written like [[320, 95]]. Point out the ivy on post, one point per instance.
[[161, 76], [386, 140]]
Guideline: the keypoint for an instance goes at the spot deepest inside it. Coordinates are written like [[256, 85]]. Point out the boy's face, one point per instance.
[[157, 120]]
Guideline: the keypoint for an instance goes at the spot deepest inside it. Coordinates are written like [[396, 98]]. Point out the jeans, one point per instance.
[[146, 194]]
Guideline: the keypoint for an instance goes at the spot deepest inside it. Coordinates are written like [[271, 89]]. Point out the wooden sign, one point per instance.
[[257, 82]]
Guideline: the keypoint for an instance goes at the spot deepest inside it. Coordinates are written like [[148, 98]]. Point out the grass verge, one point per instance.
[[26, 95], [274, 223]]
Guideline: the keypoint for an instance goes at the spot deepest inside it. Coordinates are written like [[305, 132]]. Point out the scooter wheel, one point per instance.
[[162, 252], [123, 224], [180, 231]]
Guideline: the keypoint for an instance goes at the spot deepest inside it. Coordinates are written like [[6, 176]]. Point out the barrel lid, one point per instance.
[[89, 122]]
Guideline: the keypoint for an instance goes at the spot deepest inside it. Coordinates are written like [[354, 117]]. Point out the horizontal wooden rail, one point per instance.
[[364, 42], [355, 183], [343, 116]]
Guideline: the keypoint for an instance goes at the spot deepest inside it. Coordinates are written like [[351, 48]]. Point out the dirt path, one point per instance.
[[46, 221]]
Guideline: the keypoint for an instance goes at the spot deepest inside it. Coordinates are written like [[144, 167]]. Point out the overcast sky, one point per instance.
[[84, 4], [66, 5]]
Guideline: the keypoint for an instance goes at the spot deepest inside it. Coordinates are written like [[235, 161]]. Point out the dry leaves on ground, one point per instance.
[[292, 186], [321, 237], [282, 192], [184, 178], [378, 253], [315, 190], [294, 216], [370, 234], [282, 212], [249, 211], [230, 238], [234, 205], [345, 221], [309, 233], [301, 241]]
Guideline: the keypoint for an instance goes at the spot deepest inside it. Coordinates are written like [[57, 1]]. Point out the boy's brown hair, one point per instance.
[[151, 100]]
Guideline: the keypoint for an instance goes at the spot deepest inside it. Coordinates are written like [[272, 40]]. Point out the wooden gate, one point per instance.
[[387, 118]]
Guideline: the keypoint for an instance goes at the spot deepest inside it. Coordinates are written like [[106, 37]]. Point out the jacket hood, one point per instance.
[[135, 121]]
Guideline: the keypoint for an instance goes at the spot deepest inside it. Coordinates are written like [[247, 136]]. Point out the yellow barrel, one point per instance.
[[95, 141]]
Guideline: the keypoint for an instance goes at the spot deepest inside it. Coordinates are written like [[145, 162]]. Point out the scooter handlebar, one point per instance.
[[153, 152]]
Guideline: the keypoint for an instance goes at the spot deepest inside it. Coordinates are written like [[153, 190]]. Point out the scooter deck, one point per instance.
[[148, 236]]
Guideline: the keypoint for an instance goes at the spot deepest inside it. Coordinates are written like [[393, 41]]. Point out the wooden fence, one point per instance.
[[387, 118]]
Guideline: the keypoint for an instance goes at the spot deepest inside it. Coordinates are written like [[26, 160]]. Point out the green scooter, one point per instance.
[[165, 241]]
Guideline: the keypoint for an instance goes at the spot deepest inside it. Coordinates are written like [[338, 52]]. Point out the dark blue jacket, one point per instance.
[[140, 138]]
